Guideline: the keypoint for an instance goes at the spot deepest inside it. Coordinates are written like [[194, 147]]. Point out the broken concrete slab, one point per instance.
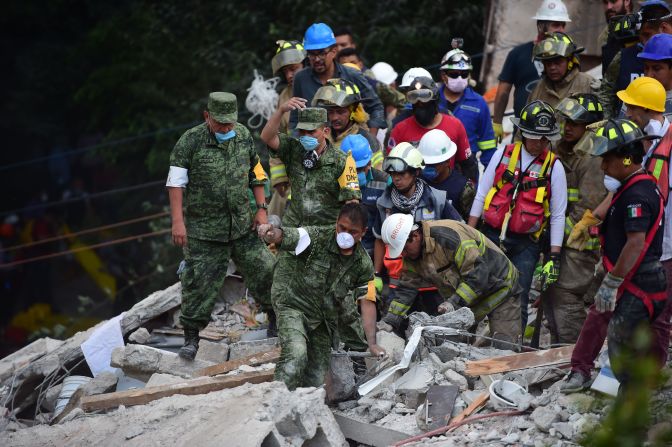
[[247, 348], [104, 382], [27, 354], [392, 344], [544, 418], [140, 336], [341, 384], [462, 318], [51, 396], [140, 362], [239, 417], [456, 379], [379, 409], [368, 434], [212, 352], [159, 379]]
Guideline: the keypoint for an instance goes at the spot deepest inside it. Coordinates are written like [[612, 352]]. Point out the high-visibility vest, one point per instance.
[[658, 164], [526, 195]]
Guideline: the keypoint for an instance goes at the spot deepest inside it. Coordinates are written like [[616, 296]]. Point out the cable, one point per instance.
[[97, 146], [86, 197], [82, 232], [87, 247]]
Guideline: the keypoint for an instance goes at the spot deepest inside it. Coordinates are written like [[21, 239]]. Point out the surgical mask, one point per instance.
[[611, 183], [309, 143], [425, 115], [361, 176], [222, 137], [345, 240], [654, 128], [457, 85], [430, 173]]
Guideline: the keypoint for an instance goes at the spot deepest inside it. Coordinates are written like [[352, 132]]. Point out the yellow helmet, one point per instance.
[[644, 92]]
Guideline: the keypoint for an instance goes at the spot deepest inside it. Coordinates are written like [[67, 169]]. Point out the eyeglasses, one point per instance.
[[456, 74], [319, 54]]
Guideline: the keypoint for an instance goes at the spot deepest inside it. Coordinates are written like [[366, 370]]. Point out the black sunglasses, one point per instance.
[[456, 74]]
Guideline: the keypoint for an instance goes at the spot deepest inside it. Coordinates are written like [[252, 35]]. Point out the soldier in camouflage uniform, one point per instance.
[[322, 177], [312, 285], [215, 163]]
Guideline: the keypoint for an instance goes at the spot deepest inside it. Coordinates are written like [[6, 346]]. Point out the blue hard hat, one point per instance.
[[648, 3], [658, 48], [360, 148], [318, 36]]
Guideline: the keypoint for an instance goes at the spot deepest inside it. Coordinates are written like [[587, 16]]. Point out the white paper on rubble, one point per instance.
[[99, 346], [410, 348]]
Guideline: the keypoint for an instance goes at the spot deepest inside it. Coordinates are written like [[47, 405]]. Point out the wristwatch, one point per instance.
[[262, 206]]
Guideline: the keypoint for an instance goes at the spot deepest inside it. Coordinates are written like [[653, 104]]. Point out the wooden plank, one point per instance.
[[143, 396], [474, 406], [515, 362], [204, 334], [368, 434], [271, 356]]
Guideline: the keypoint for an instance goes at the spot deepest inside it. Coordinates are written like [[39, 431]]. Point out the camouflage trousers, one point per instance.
[[205, 270]]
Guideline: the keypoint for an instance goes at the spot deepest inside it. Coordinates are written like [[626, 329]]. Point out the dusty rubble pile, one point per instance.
[[226, 397]]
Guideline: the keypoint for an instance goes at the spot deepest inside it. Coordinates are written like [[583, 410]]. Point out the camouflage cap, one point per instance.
[[223, 107], [312, 118]]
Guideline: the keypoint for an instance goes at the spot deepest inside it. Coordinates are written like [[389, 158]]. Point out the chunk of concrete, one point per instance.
[[51, 396], [341, 382], [392, 344], [26, 355], [105, 382], [577, 402], [245, 348], [456, 379], [158, 379], [413, 385], [462, 318], [565, 429], [212, 352], [380, 409], [140, 362], [544, 418], [141, 336]]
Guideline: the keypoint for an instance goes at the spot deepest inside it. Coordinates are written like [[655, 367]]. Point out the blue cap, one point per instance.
[[659, 47], [360, 148], [647, 3]]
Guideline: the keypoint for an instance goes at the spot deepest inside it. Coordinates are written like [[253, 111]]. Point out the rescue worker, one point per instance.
[[520, 71], [562, 76], [318, 271], [657, 58], [372, 182], [607, 40], [423, 94], [346, 115], [216, 163], [564, 302], [634, 288], [457, 97], [323, 177], [437, 150], [626, 66], [649, 94], [408, 194], [407, 110], [524, 193], [469, 269], [320, 43], [288, 60]]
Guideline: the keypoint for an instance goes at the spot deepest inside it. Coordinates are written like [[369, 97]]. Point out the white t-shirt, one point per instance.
[[558, 202]]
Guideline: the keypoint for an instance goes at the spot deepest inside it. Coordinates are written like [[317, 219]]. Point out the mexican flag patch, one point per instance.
[[635, 211]]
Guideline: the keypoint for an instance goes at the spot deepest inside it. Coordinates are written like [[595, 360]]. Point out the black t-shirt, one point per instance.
[[636, 210], [520, 70]]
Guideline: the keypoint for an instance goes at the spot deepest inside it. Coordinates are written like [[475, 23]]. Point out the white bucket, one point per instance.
[[70, 385]]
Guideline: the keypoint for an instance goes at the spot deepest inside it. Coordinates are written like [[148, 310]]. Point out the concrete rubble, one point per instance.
[[265, 413]]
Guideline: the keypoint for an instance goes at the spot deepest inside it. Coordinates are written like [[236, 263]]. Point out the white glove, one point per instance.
[[605, 298]]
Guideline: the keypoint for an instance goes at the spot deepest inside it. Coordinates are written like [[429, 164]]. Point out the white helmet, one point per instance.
[[552, 11], [436, 147], [384, 72], [395, 231], [412, 73]]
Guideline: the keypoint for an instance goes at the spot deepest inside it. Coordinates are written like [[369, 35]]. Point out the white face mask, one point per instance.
[[611, 183], [457, 85], [654, 127], [345, 240]]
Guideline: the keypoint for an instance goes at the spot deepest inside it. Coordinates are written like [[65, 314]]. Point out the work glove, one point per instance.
[[499, 131], [550, 272], [580, 234], [378, 283], [605, 298], [385, 327]]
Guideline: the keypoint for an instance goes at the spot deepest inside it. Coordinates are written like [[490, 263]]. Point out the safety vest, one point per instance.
[[525, 195], [646, 297], [658, 164]]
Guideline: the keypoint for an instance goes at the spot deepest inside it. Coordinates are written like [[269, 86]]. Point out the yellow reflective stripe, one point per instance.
[[657, 169], [573, 194], [259, 173], [466, 293], [460, 252], [541, 191], [513, 161], [569, 226], [485, 145], [593, 244], [278, 171], [348, 179], [398, 308], [377, 158]]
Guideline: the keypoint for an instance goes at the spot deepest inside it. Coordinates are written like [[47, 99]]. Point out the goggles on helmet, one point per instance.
[[570, 109], [393, 164], [422, 95], [330, 97], [549, 49]]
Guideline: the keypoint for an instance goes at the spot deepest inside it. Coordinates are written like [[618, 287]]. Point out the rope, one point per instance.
[[262, 99], [87, 247]]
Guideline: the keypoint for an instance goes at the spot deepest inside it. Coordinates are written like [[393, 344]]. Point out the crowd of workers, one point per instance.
[[385, 211]]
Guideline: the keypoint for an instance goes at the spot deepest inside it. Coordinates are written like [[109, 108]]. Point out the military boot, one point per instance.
[[190, 348]]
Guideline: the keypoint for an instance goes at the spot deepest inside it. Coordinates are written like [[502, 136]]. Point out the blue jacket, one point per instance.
[[474, 113]]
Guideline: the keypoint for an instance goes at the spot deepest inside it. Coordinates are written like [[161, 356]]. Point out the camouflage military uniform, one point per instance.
[[566, 300], [278, 203], [219, 219], [309, 291], [318, 193]]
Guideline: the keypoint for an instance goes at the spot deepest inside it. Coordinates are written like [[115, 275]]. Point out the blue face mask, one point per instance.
[[430, 173], [361, 176], [309, 143], [222, 137]]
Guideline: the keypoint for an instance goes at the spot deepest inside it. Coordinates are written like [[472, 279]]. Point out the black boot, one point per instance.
[[190, 348], [272, 330]]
